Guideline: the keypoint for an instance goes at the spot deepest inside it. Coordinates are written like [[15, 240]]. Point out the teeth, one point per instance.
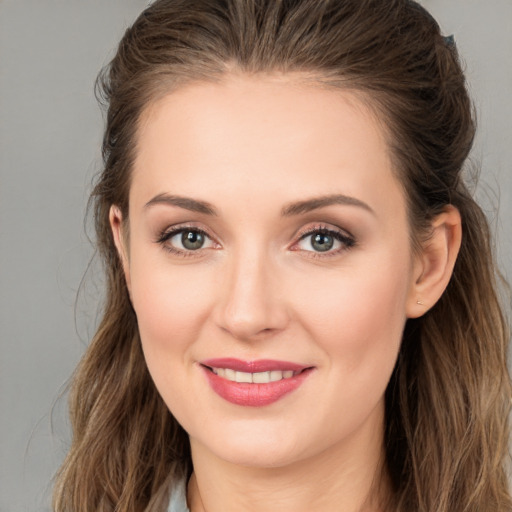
[[243, 377], [275, 375], [257, 378], [262, 377]]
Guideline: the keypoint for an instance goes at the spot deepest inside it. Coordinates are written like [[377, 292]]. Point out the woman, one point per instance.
[[301, 305]]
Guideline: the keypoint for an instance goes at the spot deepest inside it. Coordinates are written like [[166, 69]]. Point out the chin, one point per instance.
[[257, 455], [257, 446]]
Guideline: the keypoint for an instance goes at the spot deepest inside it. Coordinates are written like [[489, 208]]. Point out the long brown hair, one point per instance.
[[448, 401]]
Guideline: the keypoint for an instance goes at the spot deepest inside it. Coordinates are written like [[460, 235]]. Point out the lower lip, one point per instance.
[[254, 395]]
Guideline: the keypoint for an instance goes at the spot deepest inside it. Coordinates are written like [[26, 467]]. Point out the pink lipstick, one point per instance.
[[253, 383]]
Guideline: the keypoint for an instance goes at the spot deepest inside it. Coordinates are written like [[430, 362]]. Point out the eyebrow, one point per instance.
[[315, 203], [186, 203], [291, 209]]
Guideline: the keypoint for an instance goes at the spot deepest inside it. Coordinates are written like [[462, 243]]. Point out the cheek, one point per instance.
[[357, 316], [350, 308], [356, 319], [170, 303]]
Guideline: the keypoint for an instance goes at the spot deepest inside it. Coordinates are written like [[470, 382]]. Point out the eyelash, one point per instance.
[[166, 235], [347, 240]]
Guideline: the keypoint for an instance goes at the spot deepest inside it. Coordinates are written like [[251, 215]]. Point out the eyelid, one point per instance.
[[169, 232], [182, 226], [319, 226], [343, 236]]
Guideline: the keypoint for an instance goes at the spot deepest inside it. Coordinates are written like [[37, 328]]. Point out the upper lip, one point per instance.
[[256, 366]]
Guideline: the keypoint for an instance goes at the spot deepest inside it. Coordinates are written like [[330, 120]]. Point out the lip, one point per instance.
[[260, 365], [254, 395]]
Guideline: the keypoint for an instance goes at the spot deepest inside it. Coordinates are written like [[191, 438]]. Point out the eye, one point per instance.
[[323, 240], [189, 240], [185, 240]]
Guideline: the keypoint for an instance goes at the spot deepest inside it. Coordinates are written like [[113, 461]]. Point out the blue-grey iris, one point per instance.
[[322, 242], [192, 240]]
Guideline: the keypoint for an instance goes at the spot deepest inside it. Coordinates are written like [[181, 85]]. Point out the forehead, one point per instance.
[[252, 134]]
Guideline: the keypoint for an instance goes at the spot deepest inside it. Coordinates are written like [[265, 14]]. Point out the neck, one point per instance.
[[348, 476]]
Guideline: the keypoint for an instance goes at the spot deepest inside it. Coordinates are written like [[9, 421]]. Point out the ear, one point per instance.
[[433, 267], [116, 224]]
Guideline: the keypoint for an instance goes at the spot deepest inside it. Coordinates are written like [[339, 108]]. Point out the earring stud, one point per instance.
[[420, 303]]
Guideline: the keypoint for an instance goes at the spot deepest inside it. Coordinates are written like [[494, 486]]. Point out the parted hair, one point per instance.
[[448, 400]]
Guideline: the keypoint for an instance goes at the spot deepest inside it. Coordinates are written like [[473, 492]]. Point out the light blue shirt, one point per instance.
[[178, 501]]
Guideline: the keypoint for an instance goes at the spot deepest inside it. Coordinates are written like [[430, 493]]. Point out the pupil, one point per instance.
[[322, 242], [192, 240]]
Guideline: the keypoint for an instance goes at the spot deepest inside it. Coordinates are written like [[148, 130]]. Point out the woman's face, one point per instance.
[[268, 236]]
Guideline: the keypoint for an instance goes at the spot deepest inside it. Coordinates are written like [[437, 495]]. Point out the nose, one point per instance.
[[252, 301]]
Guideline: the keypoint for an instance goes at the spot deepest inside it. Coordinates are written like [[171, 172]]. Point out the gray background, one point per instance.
[[50, 133]]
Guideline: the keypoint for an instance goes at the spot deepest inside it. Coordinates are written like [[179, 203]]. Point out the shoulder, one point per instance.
[[178, 498]]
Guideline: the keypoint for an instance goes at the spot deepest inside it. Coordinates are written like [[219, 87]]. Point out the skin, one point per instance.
[[258, 288]]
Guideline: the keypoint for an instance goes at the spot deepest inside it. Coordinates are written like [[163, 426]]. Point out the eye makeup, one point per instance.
[[318, 241], [322, 240], [191, 238]]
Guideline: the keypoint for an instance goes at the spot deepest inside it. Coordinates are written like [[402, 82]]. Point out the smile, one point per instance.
[[250, 378], [253, 383]]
